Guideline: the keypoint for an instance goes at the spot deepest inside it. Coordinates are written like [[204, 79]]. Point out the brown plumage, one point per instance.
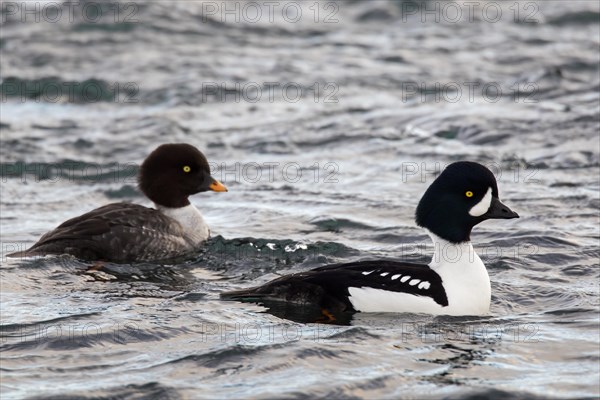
[[124, 232]]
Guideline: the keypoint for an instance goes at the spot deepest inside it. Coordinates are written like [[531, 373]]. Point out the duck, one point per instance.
[[126, 232], [455, 282]]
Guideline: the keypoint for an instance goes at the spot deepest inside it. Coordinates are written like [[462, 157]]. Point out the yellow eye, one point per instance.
[[187, 168], [469, 193]]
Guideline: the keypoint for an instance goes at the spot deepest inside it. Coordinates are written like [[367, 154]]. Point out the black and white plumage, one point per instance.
[[454, 283], [329, 285], [125, 232]]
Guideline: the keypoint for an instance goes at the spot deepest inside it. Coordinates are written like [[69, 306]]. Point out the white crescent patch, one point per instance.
[[483, 206]]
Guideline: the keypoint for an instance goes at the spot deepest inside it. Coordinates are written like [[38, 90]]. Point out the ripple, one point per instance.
[[338, 224], [577, 18], [151, 390], [180, 73], [218, 358]]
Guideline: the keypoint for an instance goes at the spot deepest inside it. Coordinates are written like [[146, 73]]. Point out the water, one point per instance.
[[331, 176]]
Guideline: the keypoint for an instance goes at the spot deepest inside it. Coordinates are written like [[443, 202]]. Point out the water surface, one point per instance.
[[331, 176]]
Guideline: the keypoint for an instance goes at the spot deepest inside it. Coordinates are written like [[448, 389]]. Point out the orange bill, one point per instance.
[[217, 186]]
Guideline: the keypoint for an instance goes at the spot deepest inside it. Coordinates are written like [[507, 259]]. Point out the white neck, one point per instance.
[[447, 253], [193, 225], [464, 276]]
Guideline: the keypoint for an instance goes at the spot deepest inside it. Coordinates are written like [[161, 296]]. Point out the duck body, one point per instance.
[[455, 282], [125, 232], [120, 232], [456, 286]]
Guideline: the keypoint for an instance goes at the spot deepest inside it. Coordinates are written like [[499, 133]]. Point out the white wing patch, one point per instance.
[[394, 277], [424, 285], [483, 206], [405, 278], [414, 282], [367, 273], [384, 274]]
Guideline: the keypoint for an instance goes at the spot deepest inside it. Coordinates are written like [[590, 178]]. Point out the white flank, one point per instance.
[[483, 206], [369, 299]]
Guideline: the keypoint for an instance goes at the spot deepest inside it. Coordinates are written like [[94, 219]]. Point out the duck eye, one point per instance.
[[469, 193], [186, 168]]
